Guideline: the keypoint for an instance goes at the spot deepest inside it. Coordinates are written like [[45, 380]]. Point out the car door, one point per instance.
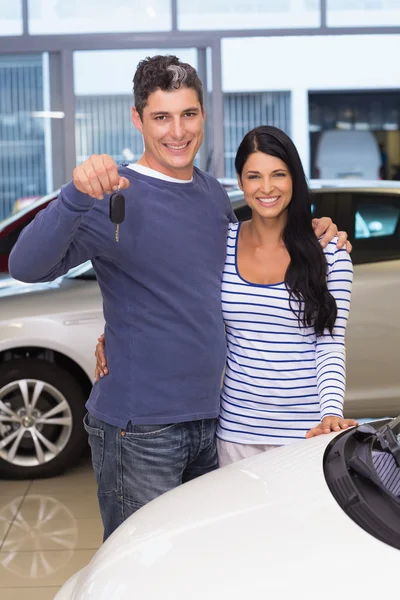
[[324, 204], [11, 227], [373, 334]]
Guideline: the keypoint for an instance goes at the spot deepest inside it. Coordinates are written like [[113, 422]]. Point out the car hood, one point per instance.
[[266, 527], [12, 287], [20, 300]]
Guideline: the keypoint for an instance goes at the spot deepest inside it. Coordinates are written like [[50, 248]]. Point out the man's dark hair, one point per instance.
[[164, 73]]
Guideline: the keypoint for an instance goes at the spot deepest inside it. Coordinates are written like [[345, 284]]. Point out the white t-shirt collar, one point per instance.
[[156, 174]]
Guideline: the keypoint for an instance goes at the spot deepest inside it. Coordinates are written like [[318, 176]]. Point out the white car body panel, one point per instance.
[[265, 527], [65, 316], [373, 341], [348, 154]]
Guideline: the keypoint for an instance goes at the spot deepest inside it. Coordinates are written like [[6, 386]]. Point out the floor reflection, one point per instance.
[[51, 526]]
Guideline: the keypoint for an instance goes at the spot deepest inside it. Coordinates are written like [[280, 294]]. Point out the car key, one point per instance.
[[117, 211]]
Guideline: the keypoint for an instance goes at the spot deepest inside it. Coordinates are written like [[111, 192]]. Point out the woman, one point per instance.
[[285, 304]]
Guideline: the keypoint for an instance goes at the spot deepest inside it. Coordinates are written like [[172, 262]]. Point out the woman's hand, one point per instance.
[[329, 424], [101, 363]]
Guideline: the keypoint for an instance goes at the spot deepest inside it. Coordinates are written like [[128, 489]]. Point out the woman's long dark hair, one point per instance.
[[306, 275]]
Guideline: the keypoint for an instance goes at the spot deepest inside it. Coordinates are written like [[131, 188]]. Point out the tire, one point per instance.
[[33, 445]]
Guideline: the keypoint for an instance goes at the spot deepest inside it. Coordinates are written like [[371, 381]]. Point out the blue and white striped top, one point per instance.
[[280, 379]]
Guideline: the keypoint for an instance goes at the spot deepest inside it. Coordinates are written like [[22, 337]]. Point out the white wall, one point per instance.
[[315, 62], [107, 72], [303, 64]]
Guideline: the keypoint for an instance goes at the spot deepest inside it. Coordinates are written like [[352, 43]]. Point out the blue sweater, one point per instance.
[[161, 288]]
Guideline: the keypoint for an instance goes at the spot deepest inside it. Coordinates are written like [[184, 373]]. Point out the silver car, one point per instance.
[[48, 333]]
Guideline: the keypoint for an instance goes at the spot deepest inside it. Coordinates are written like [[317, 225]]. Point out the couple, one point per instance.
[[152, 421]]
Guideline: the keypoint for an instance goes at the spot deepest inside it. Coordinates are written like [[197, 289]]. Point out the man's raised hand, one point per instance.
[[98, 176]]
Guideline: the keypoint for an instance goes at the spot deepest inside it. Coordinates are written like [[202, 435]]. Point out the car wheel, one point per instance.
[[41, 412]]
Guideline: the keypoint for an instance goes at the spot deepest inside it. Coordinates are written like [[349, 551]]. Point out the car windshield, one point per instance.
[[362, 470]]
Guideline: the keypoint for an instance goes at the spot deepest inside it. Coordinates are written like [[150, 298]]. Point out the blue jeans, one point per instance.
[[135, 465]]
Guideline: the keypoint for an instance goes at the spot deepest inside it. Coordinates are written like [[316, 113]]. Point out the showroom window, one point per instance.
[[95, 16], [10, 17], [25, 139], [362, 111], [243, 112]]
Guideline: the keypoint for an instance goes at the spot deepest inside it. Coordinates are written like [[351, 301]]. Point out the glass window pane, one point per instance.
[[243, 112], [376, 220], [11, 17], [25, 140], [103, 104], [376, 111], [253, 14], [98, 16], [252, 96], [363, 13]]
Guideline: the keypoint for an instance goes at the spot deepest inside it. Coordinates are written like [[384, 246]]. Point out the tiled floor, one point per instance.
[[49, 529]]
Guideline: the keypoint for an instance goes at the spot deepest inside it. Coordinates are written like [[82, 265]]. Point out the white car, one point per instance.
[[347, 155], [315, 519], [48, 332]]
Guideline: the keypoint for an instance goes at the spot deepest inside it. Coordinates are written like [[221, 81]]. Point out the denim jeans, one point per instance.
[[135, 465]]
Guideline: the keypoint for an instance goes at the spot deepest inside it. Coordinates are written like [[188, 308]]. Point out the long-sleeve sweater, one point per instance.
[[161, 288], [281, 379]]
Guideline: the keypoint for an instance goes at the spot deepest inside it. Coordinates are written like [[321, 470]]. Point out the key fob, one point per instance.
[[117, 208]]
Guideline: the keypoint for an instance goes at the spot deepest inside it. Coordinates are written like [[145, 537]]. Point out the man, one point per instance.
[[152, 420]]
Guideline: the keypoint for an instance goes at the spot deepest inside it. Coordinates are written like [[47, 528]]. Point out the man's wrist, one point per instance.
[[75, 200]]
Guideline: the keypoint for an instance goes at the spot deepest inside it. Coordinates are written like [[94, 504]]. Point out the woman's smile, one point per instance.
[[268, 202]]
